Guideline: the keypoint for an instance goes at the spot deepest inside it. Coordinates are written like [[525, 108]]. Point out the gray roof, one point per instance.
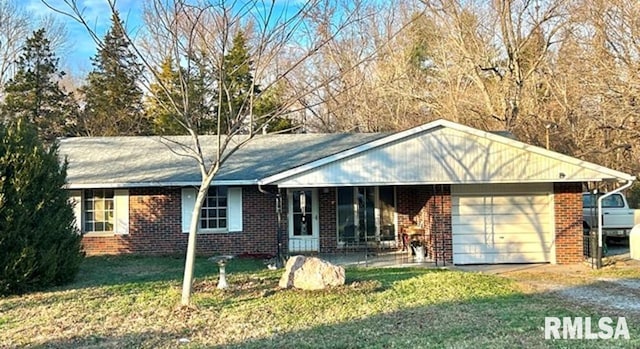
[[156, 161]]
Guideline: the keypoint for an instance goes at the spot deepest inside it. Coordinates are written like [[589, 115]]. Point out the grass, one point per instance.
[[121, 302]]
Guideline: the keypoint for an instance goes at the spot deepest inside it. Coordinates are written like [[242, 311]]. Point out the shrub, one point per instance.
[[39, 242], [633, 196]]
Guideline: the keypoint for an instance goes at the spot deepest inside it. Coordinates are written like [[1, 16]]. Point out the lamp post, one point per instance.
[[547, 128]]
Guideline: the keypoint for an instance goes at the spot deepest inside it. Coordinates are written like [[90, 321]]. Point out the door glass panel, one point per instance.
[[346, 216], [366, 214], [387, 214], [302, 213]]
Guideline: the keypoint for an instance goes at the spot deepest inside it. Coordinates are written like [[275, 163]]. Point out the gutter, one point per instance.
[[600, 218]]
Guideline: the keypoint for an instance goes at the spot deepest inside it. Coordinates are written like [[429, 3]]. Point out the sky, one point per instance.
[[76, 58]]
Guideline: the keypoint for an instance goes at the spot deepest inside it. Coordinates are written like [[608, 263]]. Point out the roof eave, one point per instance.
[[122, 185]]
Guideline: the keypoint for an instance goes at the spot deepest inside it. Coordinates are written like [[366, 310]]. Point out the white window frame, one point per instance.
[[214, 193], [107, 199], [233, 210]]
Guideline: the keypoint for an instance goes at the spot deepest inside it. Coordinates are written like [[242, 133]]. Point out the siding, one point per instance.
[[444, 155]]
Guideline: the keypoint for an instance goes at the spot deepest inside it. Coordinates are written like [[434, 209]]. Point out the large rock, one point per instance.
[[311, 273]]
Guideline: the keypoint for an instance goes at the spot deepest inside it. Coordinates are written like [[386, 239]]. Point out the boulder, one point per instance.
[[311, 273]]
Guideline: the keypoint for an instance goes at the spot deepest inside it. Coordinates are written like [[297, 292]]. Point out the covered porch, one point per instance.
[[347, 222], [385, 259]]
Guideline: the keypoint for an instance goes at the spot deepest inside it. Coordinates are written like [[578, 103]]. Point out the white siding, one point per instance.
[[502, 224], [443, 155]]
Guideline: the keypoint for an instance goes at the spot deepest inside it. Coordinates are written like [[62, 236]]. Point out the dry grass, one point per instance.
[[133, 302]]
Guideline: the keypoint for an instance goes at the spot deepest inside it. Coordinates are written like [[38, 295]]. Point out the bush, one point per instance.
[[39, 242], [633, 196]]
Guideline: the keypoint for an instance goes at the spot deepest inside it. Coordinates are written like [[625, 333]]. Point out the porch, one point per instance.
[[387, 259], [352, 224]]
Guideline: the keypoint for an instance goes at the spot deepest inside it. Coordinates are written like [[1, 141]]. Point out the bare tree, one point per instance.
[[197, 35], [594, 84], [372, 85], [485, 59], [14, 29]]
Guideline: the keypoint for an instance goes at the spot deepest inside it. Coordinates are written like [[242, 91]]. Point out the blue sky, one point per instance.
[[76, 58]]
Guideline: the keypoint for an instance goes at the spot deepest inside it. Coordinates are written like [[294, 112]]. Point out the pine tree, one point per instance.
[[39, 241], [165, 108], [34, 93], [267, 104], [241, 96], [236, 84], [113, 100]]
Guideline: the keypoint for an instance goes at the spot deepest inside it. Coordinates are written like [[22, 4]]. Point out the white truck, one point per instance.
[[617, 217]]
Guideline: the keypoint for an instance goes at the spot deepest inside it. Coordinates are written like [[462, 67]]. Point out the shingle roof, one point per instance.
[[154, 161]]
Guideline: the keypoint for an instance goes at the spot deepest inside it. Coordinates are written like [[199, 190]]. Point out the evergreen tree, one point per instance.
[[240, 96], [165, 108], [268, 104], [39, 241], [34, 92], [236, 84], [113, 100]]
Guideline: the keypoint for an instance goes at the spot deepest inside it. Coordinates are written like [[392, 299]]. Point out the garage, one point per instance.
[[502, 223]]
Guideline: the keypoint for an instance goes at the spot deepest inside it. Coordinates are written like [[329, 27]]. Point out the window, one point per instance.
[[99, 210], [302, 221], [214, 209], [590, 201], [366, 214], [221, 210]]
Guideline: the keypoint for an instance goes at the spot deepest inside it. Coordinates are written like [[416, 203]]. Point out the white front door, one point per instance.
[[303, 224]]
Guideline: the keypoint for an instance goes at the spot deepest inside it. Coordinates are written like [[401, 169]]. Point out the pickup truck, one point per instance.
[[617, 217]]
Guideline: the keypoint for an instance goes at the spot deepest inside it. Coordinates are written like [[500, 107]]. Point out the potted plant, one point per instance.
[[419, 250]]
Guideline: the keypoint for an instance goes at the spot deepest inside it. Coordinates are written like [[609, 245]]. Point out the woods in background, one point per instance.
[[562, 71]]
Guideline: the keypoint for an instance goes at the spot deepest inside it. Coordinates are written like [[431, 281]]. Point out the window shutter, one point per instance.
[[188, 202], [121, 198], [234, 210], [75, 197]]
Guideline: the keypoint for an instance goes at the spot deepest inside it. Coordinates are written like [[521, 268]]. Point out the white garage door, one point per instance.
[[502, 223]]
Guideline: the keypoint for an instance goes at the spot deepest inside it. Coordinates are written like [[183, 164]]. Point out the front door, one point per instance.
[[303, 220]]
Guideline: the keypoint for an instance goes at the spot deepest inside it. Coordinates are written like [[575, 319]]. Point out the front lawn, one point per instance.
[[121, 302]]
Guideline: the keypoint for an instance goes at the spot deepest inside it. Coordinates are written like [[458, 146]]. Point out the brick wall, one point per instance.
[[327, 215], [440, 229], [568, 222], [428, 206], [155, 227]]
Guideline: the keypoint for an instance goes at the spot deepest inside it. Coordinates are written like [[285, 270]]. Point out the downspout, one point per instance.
[[279, 256], [600, 218]]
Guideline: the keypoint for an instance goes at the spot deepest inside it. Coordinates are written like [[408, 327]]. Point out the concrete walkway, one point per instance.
[[378, 260]]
